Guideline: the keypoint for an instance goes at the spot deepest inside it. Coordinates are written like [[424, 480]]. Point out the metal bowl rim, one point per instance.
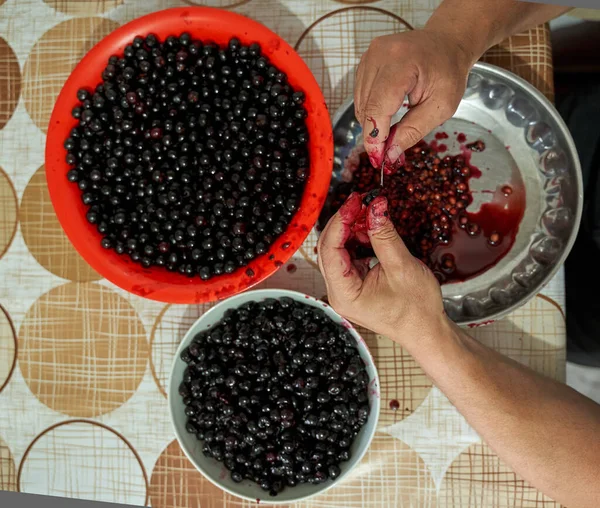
[[570, 148]]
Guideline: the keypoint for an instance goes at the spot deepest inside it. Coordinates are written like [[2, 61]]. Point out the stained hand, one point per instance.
[[429, 67], [399, 294]]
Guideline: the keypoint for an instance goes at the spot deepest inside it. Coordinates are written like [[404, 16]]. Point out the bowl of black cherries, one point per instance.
[[189, 155], [273, 396]]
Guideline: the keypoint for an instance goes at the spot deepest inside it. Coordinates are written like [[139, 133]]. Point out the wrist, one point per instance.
[[428, 336], [469, 37]]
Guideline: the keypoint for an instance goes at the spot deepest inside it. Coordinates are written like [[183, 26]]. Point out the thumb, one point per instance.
[[414, 126], [385, 99], [385, 240]]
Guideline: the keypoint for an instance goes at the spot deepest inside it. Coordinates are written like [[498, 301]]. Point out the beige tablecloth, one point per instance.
[[83, 365]]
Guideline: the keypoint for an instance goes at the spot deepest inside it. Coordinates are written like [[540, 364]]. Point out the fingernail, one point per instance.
[[377, 215], [375, 160], [351, 207], [394, 154]]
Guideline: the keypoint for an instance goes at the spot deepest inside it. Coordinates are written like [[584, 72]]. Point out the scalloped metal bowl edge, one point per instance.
[[460, 309]]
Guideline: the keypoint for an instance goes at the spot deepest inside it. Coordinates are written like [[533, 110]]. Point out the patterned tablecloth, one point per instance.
[[83, 365]]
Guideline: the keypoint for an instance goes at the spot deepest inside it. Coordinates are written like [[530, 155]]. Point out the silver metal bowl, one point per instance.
[[525, 138]]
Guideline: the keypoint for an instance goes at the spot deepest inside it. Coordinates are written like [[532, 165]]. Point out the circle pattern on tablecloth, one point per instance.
[[297, 275], [176, 483], [332, 47], [478, 477], [8, 212], [84, 460], [221, 4], [309, 249], [175, 320], [52, 59], [532, 334], [82, 349], [170, 326], [10, 82], [402, 383], [45, 237], [83, 7], [390, 474], [356, 2], [538, 69], [8, 351], [8, 474]]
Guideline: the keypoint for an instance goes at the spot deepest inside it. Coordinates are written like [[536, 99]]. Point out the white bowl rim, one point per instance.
[[261, 294]]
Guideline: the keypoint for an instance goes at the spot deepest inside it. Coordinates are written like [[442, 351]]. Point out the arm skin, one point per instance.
[[547, 432], [480, 24]]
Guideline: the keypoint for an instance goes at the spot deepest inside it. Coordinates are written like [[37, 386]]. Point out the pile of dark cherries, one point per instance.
[[276, 391], [190, 156], [428, 197]]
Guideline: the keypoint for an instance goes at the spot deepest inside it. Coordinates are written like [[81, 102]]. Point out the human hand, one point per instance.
[[430, 67], [399, 297]]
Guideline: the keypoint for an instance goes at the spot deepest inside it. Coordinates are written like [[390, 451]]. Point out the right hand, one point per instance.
[[399, 297], [429, 67]]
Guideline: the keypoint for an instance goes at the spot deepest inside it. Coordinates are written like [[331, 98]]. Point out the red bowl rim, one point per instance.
[[158, 284]]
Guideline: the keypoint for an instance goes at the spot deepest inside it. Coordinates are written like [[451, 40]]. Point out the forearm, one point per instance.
[[479, 24], [543, 429]]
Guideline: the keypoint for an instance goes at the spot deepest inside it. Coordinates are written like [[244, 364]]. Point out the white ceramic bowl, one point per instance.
[[215, 471]]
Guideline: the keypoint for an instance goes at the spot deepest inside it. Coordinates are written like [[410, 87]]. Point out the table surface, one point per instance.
[[83, 365]]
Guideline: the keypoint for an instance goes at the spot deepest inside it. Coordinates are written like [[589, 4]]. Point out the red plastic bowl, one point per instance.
[[157, 283]]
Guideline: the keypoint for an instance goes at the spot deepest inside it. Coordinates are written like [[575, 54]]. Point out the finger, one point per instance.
[[359, 86], [385, 240], [341, 276], [362, 266], [414, 126], [368, 80], [385, 99]]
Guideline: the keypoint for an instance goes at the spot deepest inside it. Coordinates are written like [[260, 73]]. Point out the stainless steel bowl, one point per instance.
[[524, 136]]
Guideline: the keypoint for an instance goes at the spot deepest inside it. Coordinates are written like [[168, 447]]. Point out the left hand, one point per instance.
[[399, 297]]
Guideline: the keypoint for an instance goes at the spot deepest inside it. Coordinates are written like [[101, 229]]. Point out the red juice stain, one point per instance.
[[315, 250], [483, 323], [461, 138], [375, 132], [507, 190], [394, 405], [438, 147], [474, 254], [441, 135], [475, 172], [476, 146], [291, 268]]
